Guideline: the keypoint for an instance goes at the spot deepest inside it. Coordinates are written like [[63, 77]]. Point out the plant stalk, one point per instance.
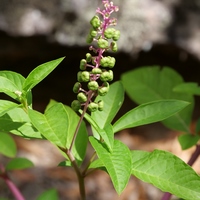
[[79, 175], [13, 188]]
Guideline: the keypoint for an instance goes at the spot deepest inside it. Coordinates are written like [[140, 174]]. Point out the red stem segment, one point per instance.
[[13, 188]]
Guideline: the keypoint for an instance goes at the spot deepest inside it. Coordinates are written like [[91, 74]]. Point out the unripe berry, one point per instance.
[[76, 105], [108, 62], [92, 106], [107, 76], [89, 39], [93, 85], [83, 63], [85, 76], [79, 77], [96, 71], [95, 22], [82, 97], [88, 57], [114, 46], [102, 43], [93, 33], [100, 105], [76, 87], [103, 91], [116, 35], [109, 33]]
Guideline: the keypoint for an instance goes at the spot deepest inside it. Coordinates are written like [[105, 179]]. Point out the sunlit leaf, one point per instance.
[[168, 173], [149, 113]]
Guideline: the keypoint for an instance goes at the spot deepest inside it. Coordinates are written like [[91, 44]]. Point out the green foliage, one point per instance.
[[39, 73], [161, 93], [58, 125], [167, 172], [49, 195], [117, 163], [188, 140], [7, 145], [149, 113], [18, 163], [148, 84]]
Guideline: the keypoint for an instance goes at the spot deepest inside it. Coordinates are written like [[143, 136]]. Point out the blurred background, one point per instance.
[[153, 32]]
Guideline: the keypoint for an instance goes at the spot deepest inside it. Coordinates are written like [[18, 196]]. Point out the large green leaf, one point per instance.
[[167, 172], [11, 83], [112, 103], [19, 163], [58, 125], [7, 145], [149, 113], [39, 73], [148, 84], [117, 163], [16, 121]]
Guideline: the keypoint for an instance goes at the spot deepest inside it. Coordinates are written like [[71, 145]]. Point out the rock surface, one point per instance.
[[142, 23]]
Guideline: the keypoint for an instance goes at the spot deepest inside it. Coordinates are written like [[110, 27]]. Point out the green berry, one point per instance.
[[103, 91], [114, 47], [96, 71], [79, 77], [82, 97], [76, 87], [100, 105], [116, 35], [88, 57], [93, 33], [109, 33], [89, 39], [85, 76], [92, 106], [107, 76], [83, 63], [102, 43], [108, 62], [95, 22], [93, 85], [76, 105]]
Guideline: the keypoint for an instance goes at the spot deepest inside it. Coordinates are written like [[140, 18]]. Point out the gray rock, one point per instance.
[[142, 23]]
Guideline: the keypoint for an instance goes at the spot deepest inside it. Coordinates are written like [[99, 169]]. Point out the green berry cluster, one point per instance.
[[96, 70]]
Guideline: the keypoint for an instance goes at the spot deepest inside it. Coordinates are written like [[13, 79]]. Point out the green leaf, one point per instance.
[[149, 113], [5, 106], [187, 88], [106, 134], [188, 140], [11, 83], [7, 145], [58, 125], [117, 163], [48, 195], [16, 121], [148, 84], [168, 173], [65, 163], [112, 103], [19, 163], [39, 73]]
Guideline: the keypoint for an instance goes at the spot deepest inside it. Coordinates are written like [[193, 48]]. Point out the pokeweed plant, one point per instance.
[[97, 102]]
